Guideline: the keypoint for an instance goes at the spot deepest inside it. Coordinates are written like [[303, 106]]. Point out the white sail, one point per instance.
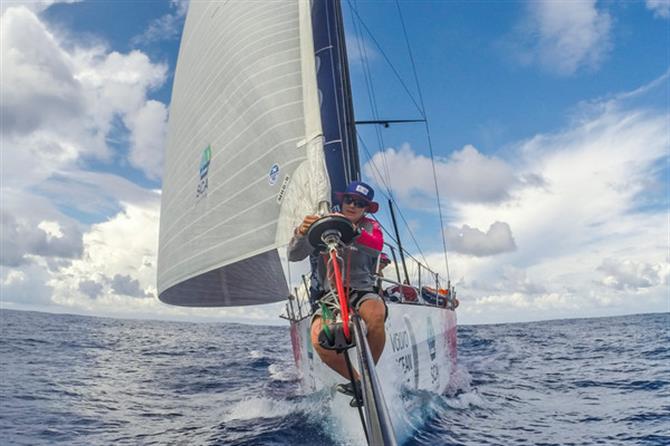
[[245, 152]]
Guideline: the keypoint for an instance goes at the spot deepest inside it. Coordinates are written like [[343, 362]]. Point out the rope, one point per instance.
[[371, 96], [397, 75], [344, 304], [420, 105], [348, 275], [390, 197], [430, 143]]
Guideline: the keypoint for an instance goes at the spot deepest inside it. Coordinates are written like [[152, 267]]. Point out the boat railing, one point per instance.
[[419, 277], [298, 306]]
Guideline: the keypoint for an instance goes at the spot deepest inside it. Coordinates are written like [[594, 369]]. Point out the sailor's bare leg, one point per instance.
[[373, 312], [332, 359]]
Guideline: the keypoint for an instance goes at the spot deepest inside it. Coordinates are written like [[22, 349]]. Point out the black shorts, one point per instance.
[[356, 299]]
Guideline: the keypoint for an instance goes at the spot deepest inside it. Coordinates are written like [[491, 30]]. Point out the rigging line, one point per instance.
[[371, 93], [389, 197], [372, 161], [366, 71], [397, 75], [419, 108], [430, 143], [424, 264]]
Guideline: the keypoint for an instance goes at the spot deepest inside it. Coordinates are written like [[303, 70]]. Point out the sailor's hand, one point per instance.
[[306, 223]]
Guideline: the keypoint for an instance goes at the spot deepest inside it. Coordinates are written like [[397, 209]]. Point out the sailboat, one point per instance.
[[262, 133]]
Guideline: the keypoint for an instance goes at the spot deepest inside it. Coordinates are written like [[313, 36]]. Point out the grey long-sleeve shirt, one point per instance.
[[362, 254]]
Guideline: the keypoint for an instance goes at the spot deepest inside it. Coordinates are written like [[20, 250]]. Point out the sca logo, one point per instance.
[[204, 170], [273, 175]]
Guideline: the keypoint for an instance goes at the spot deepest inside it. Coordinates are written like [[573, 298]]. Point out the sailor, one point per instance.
[[362, 257]]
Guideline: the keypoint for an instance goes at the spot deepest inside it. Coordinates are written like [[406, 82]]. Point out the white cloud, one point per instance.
[[585, 245], [119, 254], [467, 240], [125, 285], [626, 274], [38, 85], [564, 36], [466, 176], [166, 27], [33, 5], [59, 105], [148, 127], [114, 276], [21, 239], [517, 280], [661, 8], [90, 288], [27, 284], [360, 50]]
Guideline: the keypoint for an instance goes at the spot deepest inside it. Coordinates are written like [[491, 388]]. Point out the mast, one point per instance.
[[337, 110], [346, 81]]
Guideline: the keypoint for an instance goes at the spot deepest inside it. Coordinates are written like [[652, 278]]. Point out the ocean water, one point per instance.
[[79, 380]]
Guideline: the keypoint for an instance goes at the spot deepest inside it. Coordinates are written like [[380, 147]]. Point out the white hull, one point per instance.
[[420, 352]]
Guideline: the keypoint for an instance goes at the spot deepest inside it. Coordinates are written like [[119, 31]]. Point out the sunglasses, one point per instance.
[[355, 201]]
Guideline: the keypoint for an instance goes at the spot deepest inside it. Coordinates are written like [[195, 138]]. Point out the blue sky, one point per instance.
[[549, 122]]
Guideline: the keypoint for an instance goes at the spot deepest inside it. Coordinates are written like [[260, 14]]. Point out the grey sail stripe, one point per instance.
[[195, 69], [172, 237], [186, 39], [212, 78], [168, 230], [178, 139], [230, 197], [183, 260], [195, 156], [223, 222], [179, 195], [228, 104], [250, 18], [177, 222], [221, 88], [215, 114], [227, 262], [184, 47]]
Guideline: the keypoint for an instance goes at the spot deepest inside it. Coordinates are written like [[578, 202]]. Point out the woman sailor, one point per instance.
[[355, 201]]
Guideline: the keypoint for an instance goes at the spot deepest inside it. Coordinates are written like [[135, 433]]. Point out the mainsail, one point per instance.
[[260, 135]]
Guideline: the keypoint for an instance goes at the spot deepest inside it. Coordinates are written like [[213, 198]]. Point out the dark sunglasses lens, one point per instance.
[[358, 203]]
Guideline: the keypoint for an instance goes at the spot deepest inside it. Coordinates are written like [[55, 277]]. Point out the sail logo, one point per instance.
[[204, 161], [203, 183], [273, 175], [283, 188]]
